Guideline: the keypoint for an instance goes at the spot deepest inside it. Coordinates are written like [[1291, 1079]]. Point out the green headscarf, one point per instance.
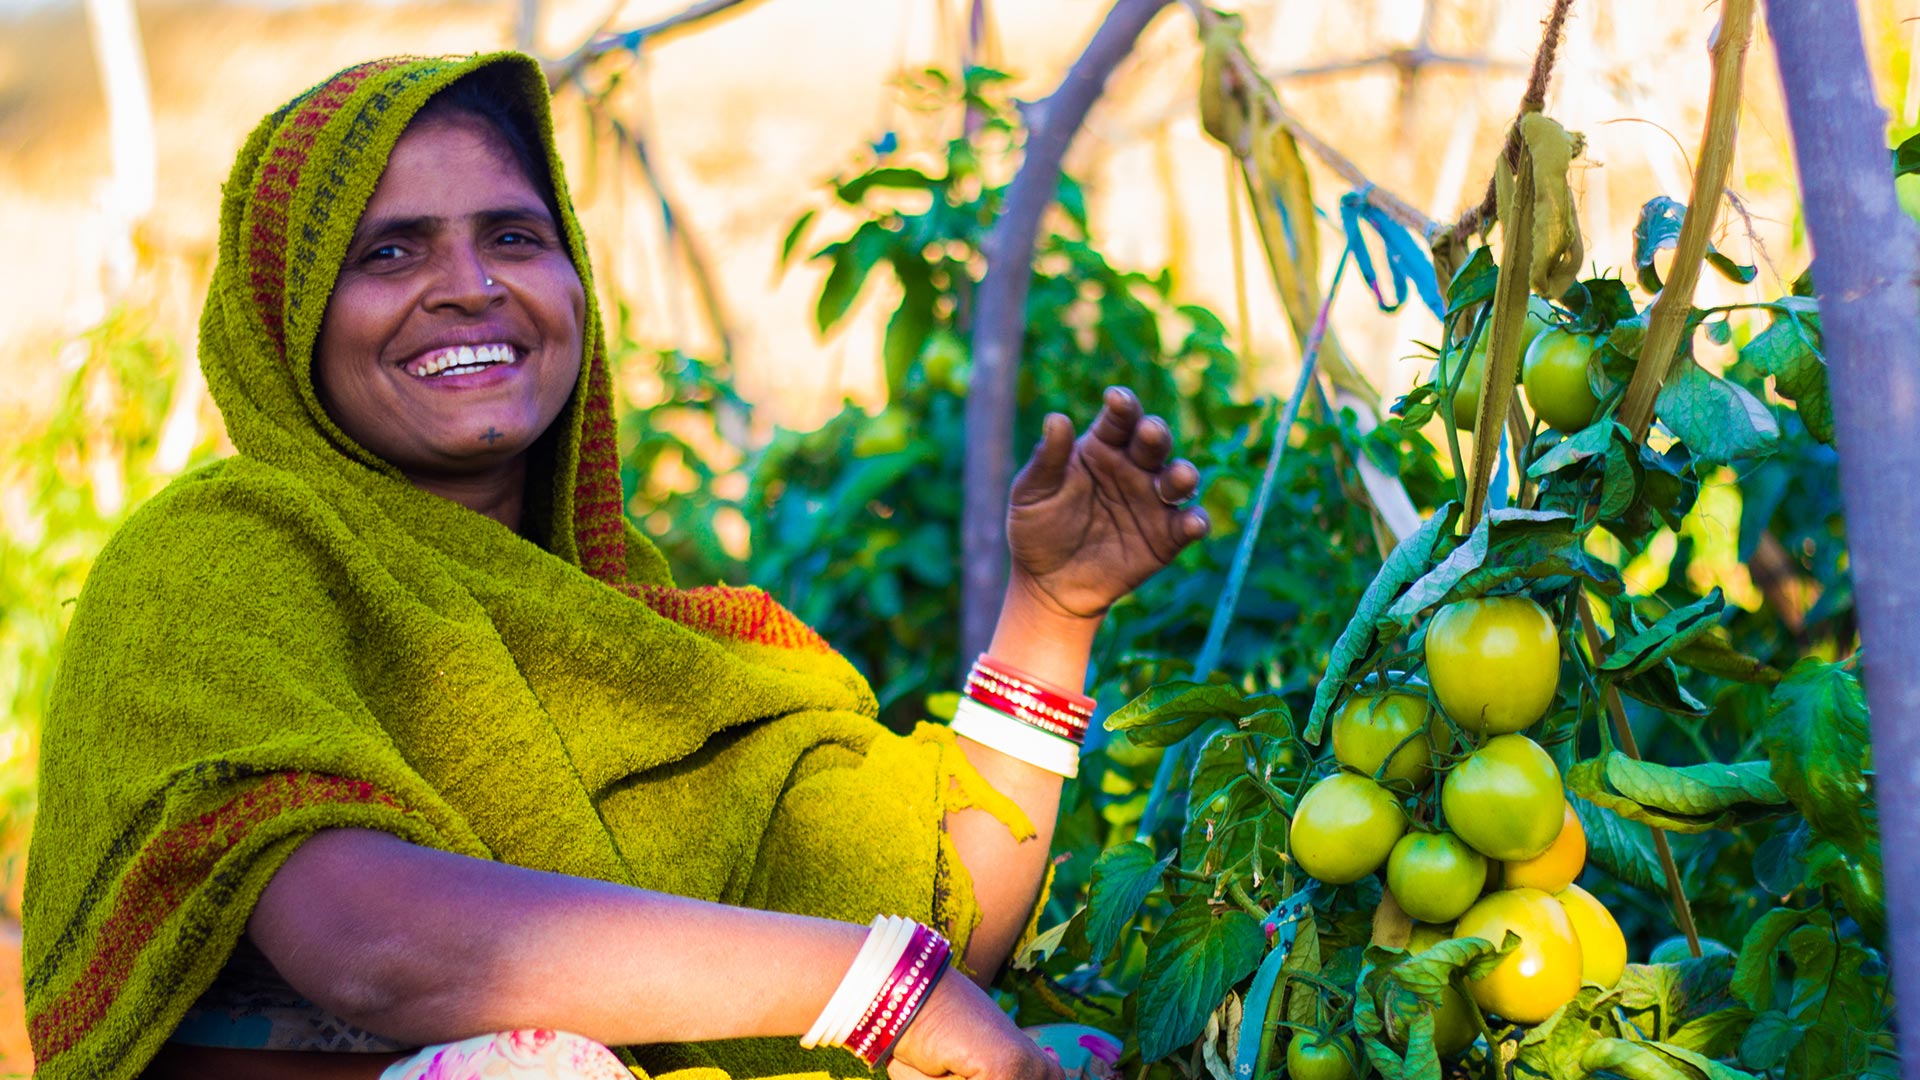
[[297, 639]]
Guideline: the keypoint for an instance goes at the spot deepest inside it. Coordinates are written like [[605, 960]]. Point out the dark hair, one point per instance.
[[490, 97]]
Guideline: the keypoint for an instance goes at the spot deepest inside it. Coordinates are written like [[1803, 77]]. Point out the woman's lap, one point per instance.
[[532, 1054]]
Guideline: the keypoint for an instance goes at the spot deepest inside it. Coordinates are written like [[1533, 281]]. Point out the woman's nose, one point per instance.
[[463, 281]]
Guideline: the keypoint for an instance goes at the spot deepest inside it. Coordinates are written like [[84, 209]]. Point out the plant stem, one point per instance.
[[1508, 323], [1667, 323], [1676, 892]]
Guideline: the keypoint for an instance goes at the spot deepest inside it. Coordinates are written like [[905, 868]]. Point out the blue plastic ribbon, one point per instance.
[[1282, 926], [1407, 259]]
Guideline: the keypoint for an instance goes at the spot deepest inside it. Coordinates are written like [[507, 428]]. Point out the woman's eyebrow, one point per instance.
[[420, 224]]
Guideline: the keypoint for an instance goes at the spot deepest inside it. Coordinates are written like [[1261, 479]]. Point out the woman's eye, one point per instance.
[[518, 238], [383, 253]]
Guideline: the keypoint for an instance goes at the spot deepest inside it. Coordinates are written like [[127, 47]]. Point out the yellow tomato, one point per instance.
[[1494, 662], [1558, 866], [1344, 828], [1538, 976], [1603, 948]]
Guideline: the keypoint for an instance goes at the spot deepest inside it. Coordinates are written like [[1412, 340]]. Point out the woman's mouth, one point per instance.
[[462, 360]]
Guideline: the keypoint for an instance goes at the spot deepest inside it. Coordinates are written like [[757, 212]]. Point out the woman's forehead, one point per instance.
[[451, 166]]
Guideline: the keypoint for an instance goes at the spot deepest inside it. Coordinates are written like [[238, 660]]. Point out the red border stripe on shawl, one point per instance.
[[722, 611], [285, 156], [165, 873]]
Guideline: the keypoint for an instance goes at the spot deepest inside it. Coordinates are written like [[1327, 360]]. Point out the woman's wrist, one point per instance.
[[1039, 639]]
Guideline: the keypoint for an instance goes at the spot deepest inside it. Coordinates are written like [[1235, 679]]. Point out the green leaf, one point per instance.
[[1408, 560], [1620, 480], [1435, 583], [1620, 847], [853, 191], [1753, 971], [1659, 229], [1122, 877], [1473, 283], [1549, 549], [1817, 737], [1906, 158], [853, 259], [1169, 712], [1713, 654], [794, 234], [1191, 963], [1718, 420], [907, 329], [1636, 1060], [1689, 800], [1645, 648], [1659, 686], [1590, 441], [1768, 1042], [1429, 973], [1789, 349]]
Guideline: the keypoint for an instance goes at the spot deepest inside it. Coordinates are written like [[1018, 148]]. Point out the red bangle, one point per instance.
[[901, 996], [1009, 690]]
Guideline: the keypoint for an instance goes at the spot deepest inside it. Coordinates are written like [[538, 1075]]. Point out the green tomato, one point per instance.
[[1344, 828], [1555, 377], [1466, 398], [1505, 799], [1321, 1057], [1435, 876], [1370, 726], [944, 358], [1494, 662], [887, 433], [1124, 752]]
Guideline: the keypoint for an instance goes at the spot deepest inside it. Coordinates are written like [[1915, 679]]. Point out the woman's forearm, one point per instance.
[[426, 946], [1007, 874]]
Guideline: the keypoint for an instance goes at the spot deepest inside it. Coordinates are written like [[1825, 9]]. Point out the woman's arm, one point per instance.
[[1089, 520], [428, 947]]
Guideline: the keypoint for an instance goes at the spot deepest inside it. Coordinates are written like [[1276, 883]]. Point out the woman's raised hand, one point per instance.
[[1093, 517], [961, 1033]]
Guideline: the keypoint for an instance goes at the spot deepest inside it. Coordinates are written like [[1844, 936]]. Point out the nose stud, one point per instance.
[[489, 281]]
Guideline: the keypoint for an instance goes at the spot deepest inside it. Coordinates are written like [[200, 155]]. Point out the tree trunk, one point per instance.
[[1000, 319], [123, 82], [1867, 272]]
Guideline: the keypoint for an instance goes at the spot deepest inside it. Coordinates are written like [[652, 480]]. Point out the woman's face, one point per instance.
[[453, 336]]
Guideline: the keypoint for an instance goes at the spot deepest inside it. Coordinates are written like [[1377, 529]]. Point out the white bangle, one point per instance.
[[1016, 738], [886, 939]]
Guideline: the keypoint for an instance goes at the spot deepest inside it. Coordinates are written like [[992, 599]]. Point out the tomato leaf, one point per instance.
[[853, 259], [1169, 712], [1713, 654], [1411, 1025], [1691, 799], [1621, 847], [854, 190], [794, 236], [1659, 686], [1753, 971], [1659, 229], [908, 327], [1428, 973], [1718, 420], [1589, 441], [1473, 283], [1434, 584], [1191, 963], [1789, 349], [1772, 1037], [1637, 1060], [1122, 877], [1906, 158], [1816, 734], [1405, 565], [1642, 649]]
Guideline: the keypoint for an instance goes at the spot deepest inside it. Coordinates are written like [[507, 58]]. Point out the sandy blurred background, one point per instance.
[[749, 114]]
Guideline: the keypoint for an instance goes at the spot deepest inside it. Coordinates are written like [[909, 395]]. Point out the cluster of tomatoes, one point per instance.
[[1553, 372], [1508, 845]]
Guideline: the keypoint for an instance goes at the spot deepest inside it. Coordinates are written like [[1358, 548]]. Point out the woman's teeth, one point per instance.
[[464, 360]]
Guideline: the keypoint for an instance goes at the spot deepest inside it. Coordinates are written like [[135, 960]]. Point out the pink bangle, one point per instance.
[[1025, 710], [1064, 700], [901, 996]]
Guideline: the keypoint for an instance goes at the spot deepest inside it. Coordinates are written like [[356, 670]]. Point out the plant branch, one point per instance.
[[1000, 318], [1667, 323], [1676, 891], [600, 43], [678, 236], [1533, 101]]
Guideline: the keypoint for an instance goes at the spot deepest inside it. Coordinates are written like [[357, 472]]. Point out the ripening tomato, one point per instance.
[[1539, 976], [1494, 662], [1603, 948], [1505, 799], [1453, 1026], [1435, 876], [1344, 828], [1371, 726], [1558, 866], [1555, 377], [1321, 1057]]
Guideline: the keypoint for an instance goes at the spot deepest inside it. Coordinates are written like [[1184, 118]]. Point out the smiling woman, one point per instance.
[[387, 747]]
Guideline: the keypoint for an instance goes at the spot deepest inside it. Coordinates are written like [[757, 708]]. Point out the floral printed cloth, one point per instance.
[[532, 1054]]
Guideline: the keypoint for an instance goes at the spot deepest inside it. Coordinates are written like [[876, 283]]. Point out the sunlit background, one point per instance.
[[744, 118]]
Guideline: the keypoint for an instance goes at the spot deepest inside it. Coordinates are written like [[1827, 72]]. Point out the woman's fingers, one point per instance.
[[1177, 482], [1119, 416], [1152, 442], [1046, 470]]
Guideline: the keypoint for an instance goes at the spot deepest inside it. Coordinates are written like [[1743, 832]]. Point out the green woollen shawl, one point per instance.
[[296, 638]]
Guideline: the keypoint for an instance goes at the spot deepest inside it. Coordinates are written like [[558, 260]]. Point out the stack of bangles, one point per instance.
[[888, 982], [1022, 717]]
